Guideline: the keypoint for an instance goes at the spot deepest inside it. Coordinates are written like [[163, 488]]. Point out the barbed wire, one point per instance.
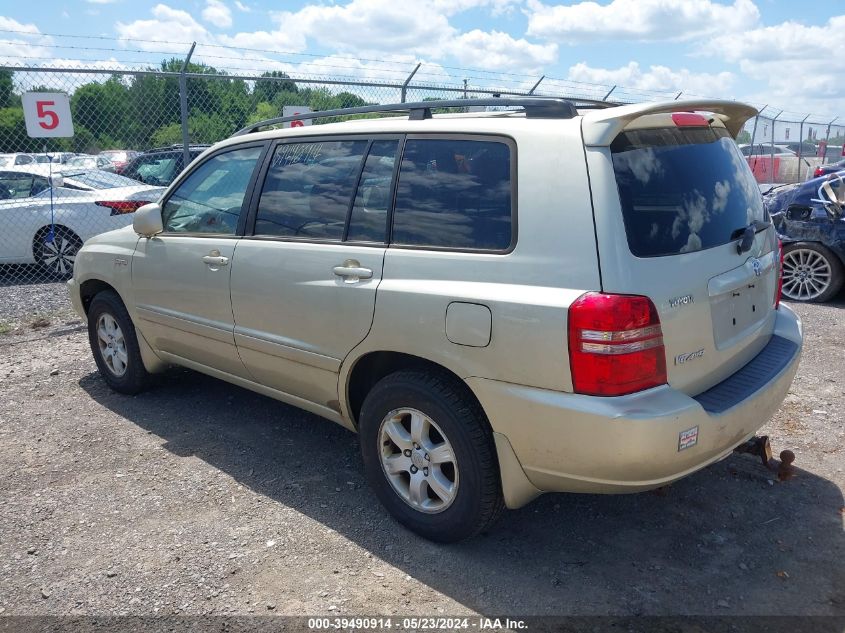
[[296, 64]]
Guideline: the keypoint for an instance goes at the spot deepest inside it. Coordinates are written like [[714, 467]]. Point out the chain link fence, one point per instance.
[[135, 130]]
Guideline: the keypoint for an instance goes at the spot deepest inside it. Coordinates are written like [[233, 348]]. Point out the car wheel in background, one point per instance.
[[429, 455], [56, 255], [811, 272], [115, 344]]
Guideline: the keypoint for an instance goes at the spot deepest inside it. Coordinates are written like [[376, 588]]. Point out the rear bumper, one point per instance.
[[573, 443]]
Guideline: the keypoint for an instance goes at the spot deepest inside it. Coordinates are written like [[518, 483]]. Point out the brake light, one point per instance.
[[121, 207], [818, 172], [615, 344], [689, 119], [779, 291]]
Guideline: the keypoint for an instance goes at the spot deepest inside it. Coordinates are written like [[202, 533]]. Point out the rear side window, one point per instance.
[[683, 189], [309, 188], [454, 194]]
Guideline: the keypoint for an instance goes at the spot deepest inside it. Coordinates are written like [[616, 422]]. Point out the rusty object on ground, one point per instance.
[[762, 448]]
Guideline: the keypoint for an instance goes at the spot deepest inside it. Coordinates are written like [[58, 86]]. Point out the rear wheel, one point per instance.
[[114, 344], [811, 272], [56, 253], [428, 453]]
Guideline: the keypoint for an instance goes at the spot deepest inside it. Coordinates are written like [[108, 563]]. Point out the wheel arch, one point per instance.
[[89, 289], [367, 369]]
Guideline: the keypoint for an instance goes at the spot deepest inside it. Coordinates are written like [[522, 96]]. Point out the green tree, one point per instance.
[[7, 89], [278, 81], [743, 137]]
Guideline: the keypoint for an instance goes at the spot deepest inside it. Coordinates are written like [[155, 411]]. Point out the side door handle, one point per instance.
[[214, 260], [351, 271]]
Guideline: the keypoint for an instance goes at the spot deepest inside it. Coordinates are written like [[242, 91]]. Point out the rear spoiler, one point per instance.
[[602, 126]]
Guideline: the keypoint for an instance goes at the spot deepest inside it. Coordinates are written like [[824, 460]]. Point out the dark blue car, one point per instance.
[[809, 218]]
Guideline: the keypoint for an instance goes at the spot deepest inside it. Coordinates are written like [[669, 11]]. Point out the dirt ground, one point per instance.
[[198, 497]]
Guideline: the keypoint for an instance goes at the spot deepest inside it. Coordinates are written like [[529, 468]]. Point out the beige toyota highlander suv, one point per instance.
[[545, 296]]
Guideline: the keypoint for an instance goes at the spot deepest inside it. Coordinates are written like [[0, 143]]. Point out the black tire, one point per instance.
[[837, 274], [477, 501], [134, 378], [57, 257]]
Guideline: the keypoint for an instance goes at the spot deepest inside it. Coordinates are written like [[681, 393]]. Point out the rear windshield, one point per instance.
[[683, 189]]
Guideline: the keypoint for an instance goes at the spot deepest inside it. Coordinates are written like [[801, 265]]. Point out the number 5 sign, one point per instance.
[[47, 114]]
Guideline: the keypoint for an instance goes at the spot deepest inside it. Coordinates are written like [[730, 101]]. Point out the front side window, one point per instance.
[[209, 200], [454, 194], [683, 189], [16, 185], [309, 188]]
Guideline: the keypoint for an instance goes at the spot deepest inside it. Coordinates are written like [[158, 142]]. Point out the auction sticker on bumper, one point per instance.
[[688, 438]]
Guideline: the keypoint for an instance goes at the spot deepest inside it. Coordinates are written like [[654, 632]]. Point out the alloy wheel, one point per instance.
[[806, 274], [112, 344], [418, 460]]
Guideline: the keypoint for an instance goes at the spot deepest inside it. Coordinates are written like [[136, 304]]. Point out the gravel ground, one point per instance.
[[40, 296], [201, 498]]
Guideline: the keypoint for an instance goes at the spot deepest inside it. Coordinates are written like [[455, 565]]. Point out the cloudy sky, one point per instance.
[[764, 51]]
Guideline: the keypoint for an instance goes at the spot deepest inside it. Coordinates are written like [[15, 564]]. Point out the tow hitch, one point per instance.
[[761, 447]]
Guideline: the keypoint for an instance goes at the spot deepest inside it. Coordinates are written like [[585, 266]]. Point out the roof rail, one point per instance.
[[534, 107]]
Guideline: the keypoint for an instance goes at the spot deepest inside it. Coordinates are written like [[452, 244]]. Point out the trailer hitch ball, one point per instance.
[[762, 448]]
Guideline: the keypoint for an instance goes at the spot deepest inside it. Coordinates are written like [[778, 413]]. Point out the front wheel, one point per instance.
[[811, 272], [429, 455], [115, 345]]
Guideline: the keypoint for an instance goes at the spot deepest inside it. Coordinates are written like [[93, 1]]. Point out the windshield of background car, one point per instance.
[[683, 189], [96, 179]]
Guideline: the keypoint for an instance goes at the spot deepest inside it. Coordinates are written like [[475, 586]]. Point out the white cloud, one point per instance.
[[217, 13], [452, 7], [656, 78], [500, 51], [386, 26], [242, 7], [639, 20], [792, 62], [168, 25], [25, 44]]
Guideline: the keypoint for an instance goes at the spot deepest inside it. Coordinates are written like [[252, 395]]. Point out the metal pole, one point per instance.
[[678, 96], [183, 103], [404, 90], [752, 162], [801, 142], [604, 98], [534, 87], [827, 135], [772, 170], [465, 88]]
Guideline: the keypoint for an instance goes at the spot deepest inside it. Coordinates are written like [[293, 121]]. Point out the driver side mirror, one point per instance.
[[147, 221]]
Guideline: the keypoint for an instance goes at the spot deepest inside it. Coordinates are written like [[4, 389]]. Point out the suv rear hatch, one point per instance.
[[673, 199]]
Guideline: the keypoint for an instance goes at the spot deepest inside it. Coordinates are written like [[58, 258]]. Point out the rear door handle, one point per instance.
[[214, 259], [352, 271]]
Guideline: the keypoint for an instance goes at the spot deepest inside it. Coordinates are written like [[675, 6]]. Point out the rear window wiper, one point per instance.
[[747, 234]]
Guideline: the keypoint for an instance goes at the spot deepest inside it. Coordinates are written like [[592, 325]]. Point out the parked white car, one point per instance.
[[85, 203], [91, 162], [499, 303]]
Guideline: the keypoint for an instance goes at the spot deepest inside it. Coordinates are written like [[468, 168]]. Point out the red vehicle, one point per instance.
[[120, 158]]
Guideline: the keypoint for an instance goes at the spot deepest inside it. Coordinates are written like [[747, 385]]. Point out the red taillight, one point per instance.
[[615, 344], [818, 172], [119, 207], [779, 291], [689, 119]]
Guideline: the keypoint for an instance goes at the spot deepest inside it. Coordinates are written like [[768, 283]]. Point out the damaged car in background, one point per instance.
[[808, 217]]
